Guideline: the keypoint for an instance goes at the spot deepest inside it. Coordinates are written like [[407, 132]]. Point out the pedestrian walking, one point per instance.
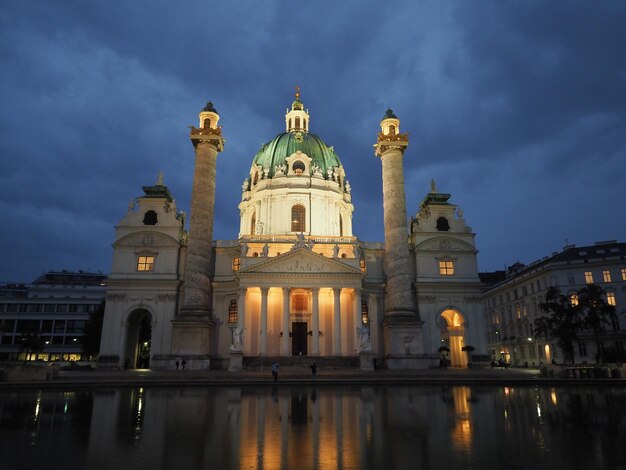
[[275, 367], [184, 363], [314, 370], [177, 363]]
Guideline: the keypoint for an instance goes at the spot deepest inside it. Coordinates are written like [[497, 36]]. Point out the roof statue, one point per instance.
[[159, 181]]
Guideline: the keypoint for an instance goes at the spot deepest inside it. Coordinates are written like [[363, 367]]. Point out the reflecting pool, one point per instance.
[[284, 427]]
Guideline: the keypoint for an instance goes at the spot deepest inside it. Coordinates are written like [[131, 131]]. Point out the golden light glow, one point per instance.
[[446, 268], [588, 277], [145, 263], [610, 298], [553, 398]]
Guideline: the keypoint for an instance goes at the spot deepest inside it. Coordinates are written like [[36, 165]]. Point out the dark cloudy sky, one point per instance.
[[518, 109]]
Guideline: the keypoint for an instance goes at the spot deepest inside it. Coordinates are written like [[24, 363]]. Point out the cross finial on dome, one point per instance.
[[297, 93]]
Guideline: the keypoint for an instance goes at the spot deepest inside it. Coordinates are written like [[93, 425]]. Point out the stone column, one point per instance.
[[284, 341], [197, 297], [315, 327], [263, 326], [241, 309], [358, 307], [192, 328], [337, 321], [401, 321], [390, 148]]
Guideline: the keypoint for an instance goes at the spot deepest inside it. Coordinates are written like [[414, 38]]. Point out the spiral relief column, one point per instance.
[[194, 324]]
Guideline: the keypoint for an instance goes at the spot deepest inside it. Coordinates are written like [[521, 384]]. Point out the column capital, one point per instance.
[[336, 290], [315, 290], [286, 290], [264, 290], [207, 136]]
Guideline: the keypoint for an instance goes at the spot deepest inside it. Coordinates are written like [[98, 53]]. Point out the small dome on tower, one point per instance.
[[389, 114], [209, 108]]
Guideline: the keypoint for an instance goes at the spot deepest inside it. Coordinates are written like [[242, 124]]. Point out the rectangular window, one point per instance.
[[232, 311], [588, 277], [623, 274], [606, 276], [145, 263], [236, 264], [446, 268], [362, 264], [573, 299], [518, 312], [610, 298], [365, 316]]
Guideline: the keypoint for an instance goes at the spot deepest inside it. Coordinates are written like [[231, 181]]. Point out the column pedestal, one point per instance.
[[236, 361]]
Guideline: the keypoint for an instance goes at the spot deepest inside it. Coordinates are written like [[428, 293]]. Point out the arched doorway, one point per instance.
[[138, 339], [452, 336]]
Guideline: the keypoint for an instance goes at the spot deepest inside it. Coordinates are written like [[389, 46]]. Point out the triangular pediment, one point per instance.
[[301, 261]]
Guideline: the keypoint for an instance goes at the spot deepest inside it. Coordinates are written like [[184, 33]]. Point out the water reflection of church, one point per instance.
[[297, 281]]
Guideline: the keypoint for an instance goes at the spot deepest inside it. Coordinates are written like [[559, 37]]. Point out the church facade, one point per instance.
[[296, 281]]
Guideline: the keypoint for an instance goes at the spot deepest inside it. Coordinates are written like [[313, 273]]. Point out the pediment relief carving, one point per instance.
[[301, 261], [146, 239], [445, 244]]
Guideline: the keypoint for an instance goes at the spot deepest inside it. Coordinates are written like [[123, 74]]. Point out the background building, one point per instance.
[[55, 308], [513, 304]]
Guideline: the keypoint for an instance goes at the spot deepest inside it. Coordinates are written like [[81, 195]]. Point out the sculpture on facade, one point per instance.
[[266, 249], [244, 249], [366, 343], [237, 339], [336, 251], [302, 243]]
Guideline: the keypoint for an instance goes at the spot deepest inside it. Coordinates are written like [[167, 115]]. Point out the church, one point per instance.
[[296, 283]]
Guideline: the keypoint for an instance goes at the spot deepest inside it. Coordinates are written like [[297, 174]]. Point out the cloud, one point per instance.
[[518, 110]]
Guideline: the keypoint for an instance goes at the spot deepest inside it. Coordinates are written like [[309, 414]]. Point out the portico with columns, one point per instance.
[[300, 303]]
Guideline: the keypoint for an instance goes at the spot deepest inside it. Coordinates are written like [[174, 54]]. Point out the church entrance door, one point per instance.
[[298, 338]]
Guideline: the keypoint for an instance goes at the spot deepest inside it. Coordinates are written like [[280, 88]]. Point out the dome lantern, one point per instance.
[[296, 118]]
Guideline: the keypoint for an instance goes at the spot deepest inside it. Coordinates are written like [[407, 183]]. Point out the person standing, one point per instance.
[[275, 367], [314, 370]]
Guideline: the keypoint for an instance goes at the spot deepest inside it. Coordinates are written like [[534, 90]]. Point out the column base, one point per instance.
[[366, 360], [403, 334], [236, 361], [192, 335]]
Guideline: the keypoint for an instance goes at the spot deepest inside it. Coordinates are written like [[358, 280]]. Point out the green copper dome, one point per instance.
[[283, 145]]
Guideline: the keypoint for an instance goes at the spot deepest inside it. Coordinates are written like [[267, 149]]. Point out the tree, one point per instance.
[[596, 313], [93, 332], [561, 321]]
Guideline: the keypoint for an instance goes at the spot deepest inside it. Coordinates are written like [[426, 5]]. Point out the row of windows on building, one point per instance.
[[47, 308], [536, 286]]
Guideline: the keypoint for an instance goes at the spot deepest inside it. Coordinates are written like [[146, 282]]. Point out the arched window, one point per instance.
[[297, 123], [150, 218], [304, 124], [253, 224], [255, 180], [298, 218], [289, 123], [298, 167], [207, 123], [340, 226], [392, 129]]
